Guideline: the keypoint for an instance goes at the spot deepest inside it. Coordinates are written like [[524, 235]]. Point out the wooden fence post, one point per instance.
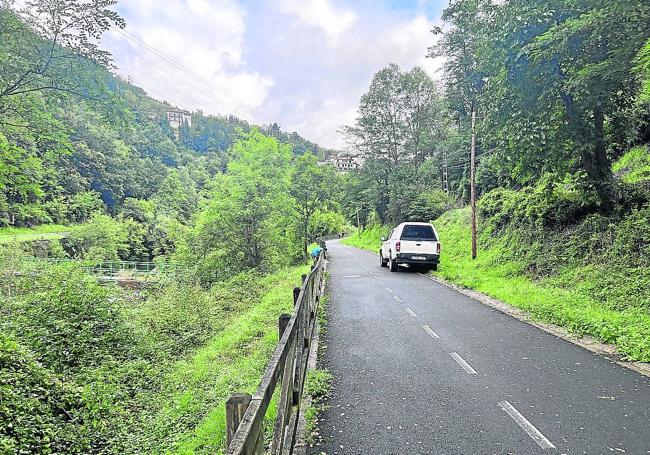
[[296, 294], [235, 409], [282, 324]]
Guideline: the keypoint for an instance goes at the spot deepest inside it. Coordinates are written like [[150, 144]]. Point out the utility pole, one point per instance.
[[472, 179], [445, 174]]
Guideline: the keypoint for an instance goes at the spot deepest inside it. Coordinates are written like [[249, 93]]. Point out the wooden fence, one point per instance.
[[287, 368]]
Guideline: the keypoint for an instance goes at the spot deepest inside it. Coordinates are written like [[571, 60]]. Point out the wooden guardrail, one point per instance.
[[287, 368]]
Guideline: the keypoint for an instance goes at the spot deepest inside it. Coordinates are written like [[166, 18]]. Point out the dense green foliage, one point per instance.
[[558, 89], [90, 369], [75, 139]]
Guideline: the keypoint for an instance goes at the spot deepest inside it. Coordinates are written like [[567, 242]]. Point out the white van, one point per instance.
[[415, 244]]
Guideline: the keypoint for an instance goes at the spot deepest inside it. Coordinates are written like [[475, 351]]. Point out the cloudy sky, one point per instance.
[[301, 63]]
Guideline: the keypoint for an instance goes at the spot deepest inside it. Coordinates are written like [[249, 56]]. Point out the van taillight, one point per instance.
[[438, 248], [398, 245]]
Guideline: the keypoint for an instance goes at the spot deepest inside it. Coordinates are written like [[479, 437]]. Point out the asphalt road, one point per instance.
[[422, 369]]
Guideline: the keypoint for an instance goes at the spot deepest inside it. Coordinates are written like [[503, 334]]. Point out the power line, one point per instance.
[[144, 74], [232, 108], [184, 69]]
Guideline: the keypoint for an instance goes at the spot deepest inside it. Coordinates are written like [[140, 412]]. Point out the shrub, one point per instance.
[[38, 412], [67, 319]]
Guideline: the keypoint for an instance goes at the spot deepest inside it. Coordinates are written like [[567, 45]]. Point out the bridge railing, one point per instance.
[[287, 368], [110, 267]]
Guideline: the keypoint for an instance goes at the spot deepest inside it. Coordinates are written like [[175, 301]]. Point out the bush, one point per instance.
[[429, 205], [38, 412], [552, 203], [67, 319]]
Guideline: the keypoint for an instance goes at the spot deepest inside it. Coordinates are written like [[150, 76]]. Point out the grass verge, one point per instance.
[[233, 361], [318, 384]]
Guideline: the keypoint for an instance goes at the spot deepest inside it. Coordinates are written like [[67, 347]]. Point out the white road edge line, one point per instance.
[[397, 299], [466, 366], [411, 312], [525, 425], [430, 331]]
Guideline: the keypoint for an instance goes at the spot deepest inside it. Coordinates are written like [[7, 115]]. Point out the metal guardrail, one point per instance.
[[111, 267], [287, 368]]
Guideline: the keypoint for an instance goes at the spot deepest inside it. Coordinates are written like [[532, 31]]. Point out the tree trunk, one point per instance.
[[593, 152], [597, 165]]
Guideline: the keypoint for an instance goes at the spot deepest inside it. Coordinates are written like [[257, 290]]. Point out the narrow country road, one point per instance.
[[422, 369]]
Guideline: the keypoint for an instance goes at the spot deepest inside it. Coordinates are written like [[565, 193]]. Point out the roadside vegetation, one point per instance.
[[91, 168], [591, 277], [88, 368]]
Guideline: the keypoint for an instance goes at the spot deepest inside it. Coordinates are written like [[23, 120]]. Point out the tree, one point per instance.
[[561, 80], [312, 187], [45, 44], [245, 221], [401, 121]]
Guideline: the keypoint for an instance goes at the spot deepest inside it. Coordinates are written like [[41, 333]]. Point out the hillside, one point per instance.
[[68, 153]]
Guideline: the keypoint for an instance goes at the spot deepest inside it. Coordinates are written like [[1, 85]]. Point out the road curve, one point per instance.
[[422, 369]]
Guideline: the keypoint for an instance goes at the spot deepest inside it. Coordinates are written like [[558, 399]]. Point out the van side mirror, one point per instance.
[[383, 239]]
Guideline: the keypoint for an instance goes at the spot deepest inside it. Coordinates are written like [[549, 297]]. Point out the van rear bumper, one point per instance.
[[415, 258]]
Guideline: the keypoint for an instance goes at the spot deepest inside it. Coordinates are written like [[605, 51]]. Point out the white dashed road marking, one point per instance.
[[525, 425], [411, 312], [397, 299], [430, 331], [389, 290], [466, 366]]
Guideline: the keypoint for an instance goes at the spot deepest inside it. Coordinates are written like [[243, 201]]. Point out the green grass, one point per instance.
[[43, 232], [233, 361], [568, 298], [634, 166], [318, 384], [368, 239]]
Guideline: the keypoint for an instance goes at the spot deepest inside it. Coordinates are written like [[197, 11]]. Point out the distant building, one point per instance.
[[177, 118], [344, 162]]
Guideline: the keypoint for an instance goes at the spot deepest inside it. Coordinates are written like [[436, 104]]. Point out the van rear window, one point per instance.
[[418, 232]]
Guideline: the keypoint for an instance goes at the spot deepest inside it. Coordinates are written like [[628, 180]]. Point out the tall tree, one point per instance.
[[560, 80], [400, 123], [312, 187]]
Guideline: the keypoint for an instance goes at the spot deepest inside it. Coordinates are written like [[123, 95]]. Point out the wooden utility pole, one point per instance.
[[472, 179]]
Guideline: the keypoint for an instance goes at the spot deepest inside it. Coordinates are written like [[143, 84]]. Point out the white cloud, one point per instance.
[[204, 36], [301, 63], [322, 14], [331, 80]]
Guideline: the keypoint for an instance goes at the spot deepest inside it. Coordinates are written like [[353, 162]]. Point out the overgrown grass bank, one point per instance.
[[568, 278], [368, 239], [86, 368]]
